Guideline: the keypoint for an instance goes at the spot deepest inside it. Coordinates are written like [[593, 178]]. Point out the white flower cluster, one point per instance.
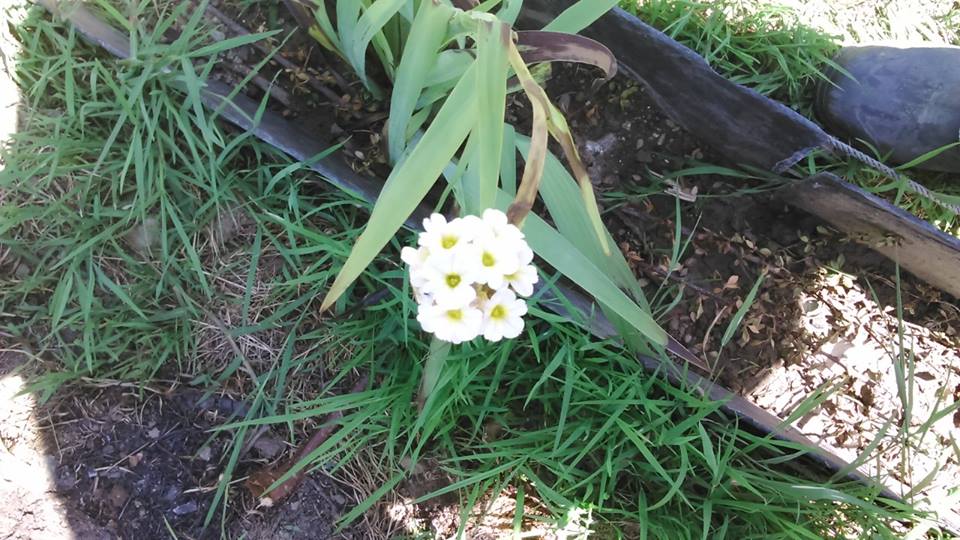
[[467, 274]]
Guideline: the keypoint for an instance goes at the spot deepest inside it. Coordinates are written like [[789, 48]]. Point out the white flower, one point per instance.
[[501, 229], [422, 297], [496, 259], [442, 237], [416, 258], [503, 316], [466, 275], [522, 280], [455, 325], [449, 278]]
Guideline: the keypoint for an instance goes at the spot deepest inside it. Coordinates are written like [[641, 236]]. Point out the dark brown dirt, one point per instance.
[[140, 465]]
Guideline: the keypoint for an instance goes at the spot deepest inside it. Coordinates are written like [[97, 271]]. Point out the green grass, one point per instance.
[[763, 46], [111, 151]]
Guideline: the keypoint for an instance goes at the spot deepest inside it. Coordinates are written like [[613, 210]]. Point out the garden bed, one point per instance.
[[735, 237]]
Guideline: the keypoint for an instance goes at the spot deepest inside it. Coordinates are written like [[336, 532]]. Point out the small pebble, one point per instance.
[[268, 447], [185, 508]]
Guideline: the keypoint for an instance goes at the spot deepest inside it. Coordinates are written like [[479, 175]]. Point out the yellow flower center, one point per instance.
[[453, 280], [455, 314], [498, 312], [448, 241], [488, 259], [512, 277]]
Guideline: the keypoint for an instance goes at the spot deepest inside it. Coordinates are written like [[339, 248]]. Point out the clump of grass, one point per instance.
[[762, 46], [578, 424], [115, 198], [896, 190]]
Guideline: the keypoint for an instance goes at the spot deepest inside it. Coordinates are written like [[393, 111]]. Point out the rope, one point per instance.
[[839, 147]]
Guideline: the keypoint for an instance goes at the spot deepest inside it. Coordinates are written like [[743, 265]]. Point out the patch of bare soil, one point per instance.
[[114, 462], [143, 464], [30, 505]]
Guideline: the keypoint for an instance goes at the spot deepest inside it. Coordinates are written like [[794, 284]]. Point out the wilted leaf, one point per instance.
[[539, 46]]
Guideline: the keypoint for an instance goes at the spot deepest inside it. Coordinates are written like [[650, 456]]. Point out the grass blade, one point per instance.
[[560, 253], [741, 313]]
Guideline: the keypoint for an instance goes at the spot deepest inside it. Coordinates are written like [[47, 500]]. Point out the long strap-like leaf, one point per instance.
[[409, 183], [419, 58]]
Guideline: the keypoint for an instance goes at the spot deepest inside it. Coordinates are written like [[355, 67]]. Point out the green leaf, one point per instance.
[[449, 66], [562, 197], [323, 31], [927, 156], [374, 18], [348, 11], [58, 302], [560, 253], [741, 313], [409, 183], [580, 15], [493, 42], [418, 60], [231, 43], [118, 291], [510, 10], [508, 161], [436, 358]]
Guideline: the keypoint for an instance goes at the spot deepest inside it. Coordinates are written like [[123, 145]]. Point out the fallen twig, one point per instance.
[[260, 481]]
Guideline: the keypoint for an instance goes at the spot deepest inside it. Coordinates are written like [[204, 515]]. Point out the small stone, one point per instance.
[[144, 237], [171, 493], [204, 453], [154, 433], [21, 271], [644, 156], [185, 508], [65, 480], [268, 447], [117, 495]]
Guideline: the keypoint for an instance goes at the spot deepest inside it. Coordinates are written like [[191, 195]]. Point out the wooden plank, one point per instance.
[[916, 245]]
